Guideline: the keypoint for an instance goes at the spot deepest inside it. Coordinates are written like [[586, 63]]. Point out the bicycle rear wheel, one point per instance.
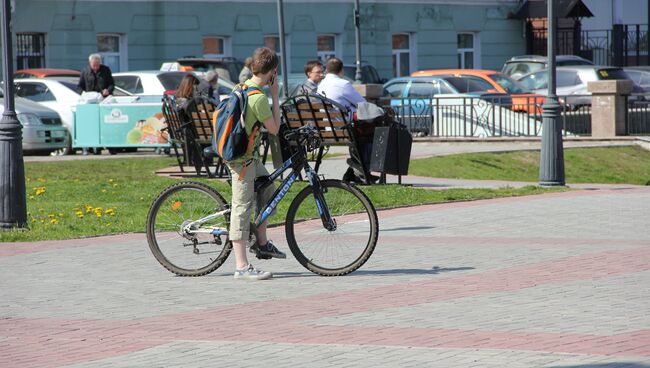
[[337, 252], [188, 253]]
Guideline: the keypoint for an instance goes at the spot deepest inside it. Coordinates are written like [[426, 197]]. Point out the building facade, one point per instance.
[[398, 36]]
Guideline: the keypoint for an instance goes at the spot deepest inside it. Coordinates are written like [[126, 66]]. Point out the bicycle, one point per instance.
[[331, 226]]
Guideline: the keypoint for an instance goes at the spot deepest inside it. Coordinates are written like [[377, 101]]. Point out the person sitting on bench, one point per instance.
[[341, 91]]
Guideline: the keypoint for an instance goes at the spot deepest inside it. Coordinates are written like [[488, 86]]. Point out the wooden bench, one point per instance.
[[332, 124], [192, 130]]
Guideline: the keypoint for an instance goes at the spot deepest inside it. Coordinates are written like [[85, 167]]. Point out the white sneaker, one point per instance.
[[252, 273]]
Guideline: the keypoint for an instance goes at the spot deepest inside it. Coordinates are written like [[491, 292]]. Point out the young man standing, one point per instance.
[[245, 170]]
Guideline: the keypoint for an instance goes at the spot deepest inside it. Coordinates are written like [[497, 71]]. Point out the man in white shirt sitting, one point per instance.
[[341, 91], [337, 88]]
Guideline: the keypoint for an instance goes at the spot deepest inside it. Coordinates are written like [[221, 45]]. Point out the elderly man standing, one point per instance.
[[96, 77]]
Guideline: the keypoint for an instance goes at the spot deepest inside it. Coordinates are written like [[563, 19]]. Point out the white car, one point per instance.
[[58, 94], [42, 129], [158, 82]]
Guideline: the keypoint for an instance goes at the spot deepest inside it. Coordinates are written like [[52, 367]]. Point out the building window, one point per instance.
[[468, 51], [30, 50], [327, 46], [215, 46], [112, 48], [402, 54]]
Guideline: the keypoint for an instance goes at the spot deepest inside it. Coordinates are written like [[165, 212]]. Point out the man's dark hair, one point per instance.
[[310, 65], [334, 65], [264, 60]]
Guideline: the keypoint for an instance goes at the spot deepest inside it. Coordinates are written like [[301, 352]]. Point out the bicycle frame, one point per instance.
[[296, 162]]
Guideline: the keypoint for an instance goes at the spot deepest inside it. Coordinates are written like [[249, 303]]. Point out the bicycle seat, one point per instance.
[[209, 152]]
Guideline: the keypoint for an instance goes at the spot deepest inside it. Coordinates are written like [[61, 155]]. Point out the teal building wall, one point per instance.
[[159, 31]]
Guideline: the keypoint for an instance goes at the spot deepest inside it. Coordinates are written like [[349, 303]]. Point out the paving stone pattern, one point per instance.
[[558, 280]]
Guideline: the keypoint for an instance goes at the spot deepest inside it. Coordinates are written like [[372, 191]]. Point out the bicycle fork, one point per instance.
[[329, 223]]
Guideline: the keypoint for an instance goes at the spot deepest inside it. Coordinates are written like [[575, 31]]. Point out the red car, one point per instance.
[[46, 73]]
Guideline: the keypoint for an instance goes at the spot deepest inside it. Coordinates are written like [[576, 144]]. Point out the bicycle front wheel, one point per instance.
[[184, 248], [342, 250]]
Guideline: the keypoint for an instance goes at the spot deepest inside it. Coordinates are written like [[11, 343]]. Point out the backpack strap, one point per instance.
[[250, 91]]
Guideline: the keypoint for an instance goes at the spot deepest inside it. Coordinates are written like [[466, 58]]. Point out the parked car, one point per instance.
[[46, 73], [520, 65], [492, 81], [227, 67], [412, 98], [59, 94], [157, 82], [42, 127], [571, 82], [369, 74], [640, 75]]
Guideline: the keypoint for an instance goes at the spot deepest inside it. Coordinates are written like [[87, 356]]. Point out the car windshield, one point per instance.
[[612, 74], [171, 81], [510, 85], [535, 81], [71, 86], [522, 67], [467, 85]]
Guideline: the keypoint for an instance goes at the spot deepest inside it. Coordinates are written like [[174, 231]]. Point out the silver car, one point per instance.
[[42, 127], [571, 82]]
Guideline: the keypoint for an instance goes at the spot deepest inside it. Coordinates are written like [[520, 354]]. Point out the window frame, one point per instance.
[[475, 49], [324, 55], [227, 47], [287, 44], [122, 53], [22, 59], [411, 52]]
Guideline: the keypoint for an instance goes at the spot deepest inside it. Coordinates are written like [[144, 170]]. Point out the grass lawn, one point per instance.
[[73, 199], [611, 165]]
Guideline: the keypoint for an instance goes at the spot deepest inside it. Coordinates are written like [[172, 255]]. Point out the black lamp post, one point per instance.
[[357, 37], [551, 167], [283, 52], [13, 208]]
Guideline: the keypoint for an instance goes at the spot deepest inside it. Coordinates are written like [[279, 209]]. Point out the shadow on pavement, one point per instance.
[[604, 365], [408, 228], [401, 271], [412, 271]]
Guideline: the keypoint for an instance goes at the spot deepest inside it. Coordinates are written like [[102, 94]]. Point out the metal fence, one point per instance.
[[637, 118], [488, 117]]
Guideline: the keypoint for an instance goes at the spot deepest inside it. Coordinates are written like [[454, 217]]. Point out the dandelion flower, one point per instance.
[[54, 221]]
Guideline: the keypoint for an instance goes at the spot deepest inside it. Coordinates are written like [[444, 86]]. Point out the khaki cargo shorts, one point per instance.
[[244, 197]]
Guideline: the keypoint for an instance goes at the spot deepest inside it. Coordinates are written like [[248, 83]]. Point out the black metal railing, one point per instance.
[[638, 115], [488, 116]]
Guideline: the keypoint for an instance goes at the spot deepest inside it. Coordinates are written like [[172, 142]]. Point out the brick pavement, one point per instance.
[[558, 280]]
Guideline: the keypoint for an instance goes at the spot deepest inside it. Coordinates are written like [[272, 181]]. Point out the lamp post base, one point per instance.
[[551, 166], [13, 208]]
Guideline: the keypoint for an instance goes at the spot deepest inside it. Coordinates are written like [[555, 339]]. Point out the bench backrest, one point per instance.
[[202, 120], [321, 113], [173, 119]]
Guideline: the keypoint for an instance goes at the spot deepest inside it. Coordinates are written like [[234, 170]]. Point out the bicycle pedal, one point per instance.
[[259, 256]]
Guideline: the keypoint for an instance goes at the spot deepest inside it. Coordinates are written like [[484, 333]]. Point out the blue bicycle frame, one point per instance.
[[296, 162]]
